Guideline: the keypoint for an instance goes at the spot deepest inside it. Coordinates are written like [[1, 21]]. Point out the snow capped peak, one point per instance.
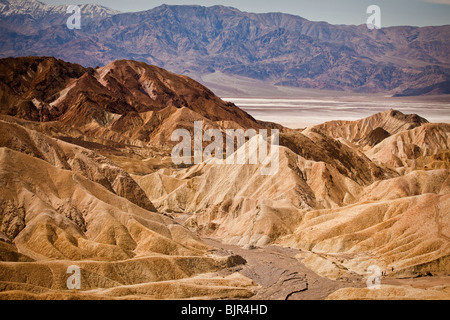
[[38, 9]]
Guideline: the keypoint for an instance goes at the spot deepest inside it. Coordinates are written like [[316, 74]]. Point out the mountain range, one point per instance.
[[216, 42]]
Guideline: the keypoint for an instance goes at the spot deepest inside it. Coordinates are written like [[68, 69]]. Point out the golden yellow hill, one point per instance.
[[52, 218]]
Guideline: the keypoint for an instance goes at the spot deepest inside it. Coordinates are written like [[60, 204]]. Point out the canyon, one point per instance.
[[87, 179]]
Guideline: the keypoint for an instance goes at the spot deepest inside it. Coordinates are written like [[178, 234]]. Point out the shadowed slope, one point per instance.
[[359, 131]]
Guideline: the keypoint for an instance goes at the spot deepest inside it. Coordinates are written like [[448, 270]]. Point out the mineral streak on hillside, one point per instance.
[[87, 180], [126, 101]]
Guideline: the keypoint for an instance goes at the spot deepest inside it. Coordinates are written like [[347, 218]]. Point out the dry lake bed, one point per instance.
[[306, 111]]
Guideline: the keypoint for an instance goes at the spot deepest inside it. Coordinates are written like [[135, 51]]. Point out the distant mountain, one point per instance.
[[39, 10], [277, 48]]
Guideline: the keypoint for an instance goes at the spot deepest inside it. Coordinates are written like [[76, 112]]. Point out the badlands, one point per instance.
[[87, 180]]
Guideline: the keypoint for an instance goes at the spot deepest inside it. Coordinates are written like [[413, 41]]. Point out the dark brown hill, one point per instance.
[[125, 101]]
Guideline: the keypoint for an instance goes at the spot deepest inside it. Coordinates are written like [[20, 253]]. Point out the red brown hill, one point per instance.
[[124, 96]]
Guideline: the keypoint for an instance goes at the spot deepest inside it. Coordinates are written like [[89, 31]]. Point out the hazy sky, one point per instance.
[[393, 12]]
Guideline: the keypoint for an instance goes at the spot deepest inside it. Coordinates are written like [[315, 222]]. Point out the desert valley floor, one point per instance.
[[312, 110]]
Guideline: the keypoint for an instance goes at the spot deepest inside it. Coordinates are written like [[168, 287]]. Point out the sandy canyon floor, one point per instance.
[[281, 275]]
